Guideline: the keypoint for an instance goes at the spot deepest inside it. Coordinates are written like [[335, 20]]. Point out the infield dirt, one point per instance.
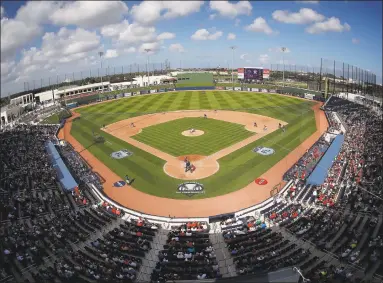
[[243, 198]]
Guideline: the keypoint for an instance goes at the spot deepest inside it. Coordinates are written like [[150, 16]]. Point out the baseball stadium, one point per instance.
[[152, 173]]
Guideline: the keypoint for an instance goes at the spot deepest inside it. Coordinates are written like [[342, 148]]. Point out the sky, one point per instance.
[[43, 40]]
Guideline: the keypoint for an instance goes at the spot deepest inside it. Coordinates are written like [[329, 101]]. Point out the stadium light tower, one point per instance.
[[102, 85], [147, 62], [283, 49], [232, 67]]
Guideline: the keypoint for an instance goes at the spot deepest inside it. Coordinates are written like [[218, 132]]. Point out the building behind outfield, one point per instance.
[[194, 79]]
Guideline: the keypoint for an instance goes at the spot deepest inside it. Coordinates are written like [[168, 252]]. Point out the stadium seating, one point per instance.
[[332, 232]]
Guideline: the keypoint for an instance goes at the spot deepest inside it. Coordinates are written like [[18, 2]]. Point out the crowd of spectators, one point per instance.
[[187, 255], [49, 235], [306, 164], [79, 168]]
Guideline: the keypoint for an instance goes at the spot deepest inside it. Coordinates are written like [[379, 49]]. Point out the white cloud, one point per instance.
[[58, 49], [355, 41], [243, 56], [259, 25], [263, 58], [130, 50], [2, 11], [36, 12], [237, 22], [153, 46], [231, 36], [126, 33], [204, 34], [166, 35], [330, 25], [212, 16], [308, 2], [230, 10], [111, 53], [304, 16], [148, 12], [16, 34], [176, 47], [89, 14]]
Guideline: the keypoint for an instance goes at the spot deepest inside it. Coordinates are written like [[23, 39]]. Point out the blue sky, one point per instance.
[[46, 39]]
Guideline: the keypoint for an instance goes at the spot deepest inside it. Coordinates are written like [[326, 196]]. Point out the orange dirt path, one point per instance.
[[207, 166], [250, 195]]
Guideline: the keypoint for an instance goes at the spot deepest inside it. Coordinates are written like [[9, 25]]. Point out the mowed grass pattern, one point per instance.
[[168, 136], [236, 169]]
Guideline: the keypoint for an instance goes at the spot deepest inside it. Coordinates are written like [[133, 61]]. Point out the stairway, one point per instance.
[[224, 259], [151, 257]]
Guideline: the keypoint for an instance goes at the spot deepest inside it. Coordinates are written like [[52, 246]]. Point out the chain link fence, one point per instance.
[[329, 76]]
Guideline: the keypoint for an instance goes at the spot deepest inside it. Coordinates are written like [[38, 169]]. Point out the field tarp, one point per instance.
[[66, 179], [318, 176]]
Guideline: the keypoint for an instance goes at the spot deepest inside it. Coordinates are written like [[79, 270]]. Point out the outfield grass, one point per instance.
[[236, 169], [218, 135], [56, 118]]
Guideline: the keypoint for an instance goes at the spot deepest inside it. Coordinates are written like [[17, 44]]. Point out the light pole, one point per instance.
[[102, 85], [232, 67], [147, 63], [283, 62]]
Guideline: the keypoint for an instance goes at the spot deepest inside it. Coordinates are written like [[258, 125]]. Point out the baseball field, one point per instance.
[[155, 131]]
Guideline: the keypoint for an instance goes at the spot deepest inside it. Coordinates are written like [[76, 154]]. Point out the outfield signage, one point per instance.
[[248, 89], [237, 88], [263, 150], [229, 88], [126, 94], [265, 90], [272, 90], [309, 96], [190, 189], [254, 89], [220, 87], [153, 91], [143, 92], [161, 90], [121, 154]]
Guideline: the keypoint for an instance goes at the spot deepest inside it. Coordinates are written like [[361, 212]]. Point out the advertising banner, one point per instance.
[[241, 73], [153, 91], [265, 90], [273, 90], [238, 88], [248, 89], [161, 90], [229, 88], [309, 96], [220, 87], [254, 89], [143, 92], [266, 73], [253, 74]]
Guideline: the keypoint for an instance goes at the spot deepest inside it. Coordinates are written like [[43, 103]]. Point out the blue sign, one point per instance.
[[162, 90], [119, 184]]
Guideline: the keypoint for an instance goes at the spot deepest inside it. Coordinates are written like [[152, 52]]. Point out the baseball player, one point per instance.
[[205, 116], [265, 128], [132, 125], [255, 124]]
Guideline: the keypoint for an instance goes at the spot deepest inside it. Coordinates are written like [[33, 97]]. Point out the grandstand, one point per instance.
[[329, 231]]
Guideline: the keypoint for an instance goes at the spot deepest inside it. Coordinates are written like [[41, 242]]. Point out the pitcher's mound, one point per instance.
[[195, 133], [204, 167]]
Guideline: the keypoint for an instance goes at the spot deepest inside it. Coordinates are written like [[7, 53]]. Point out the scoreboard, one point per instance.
[[250, 73]]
